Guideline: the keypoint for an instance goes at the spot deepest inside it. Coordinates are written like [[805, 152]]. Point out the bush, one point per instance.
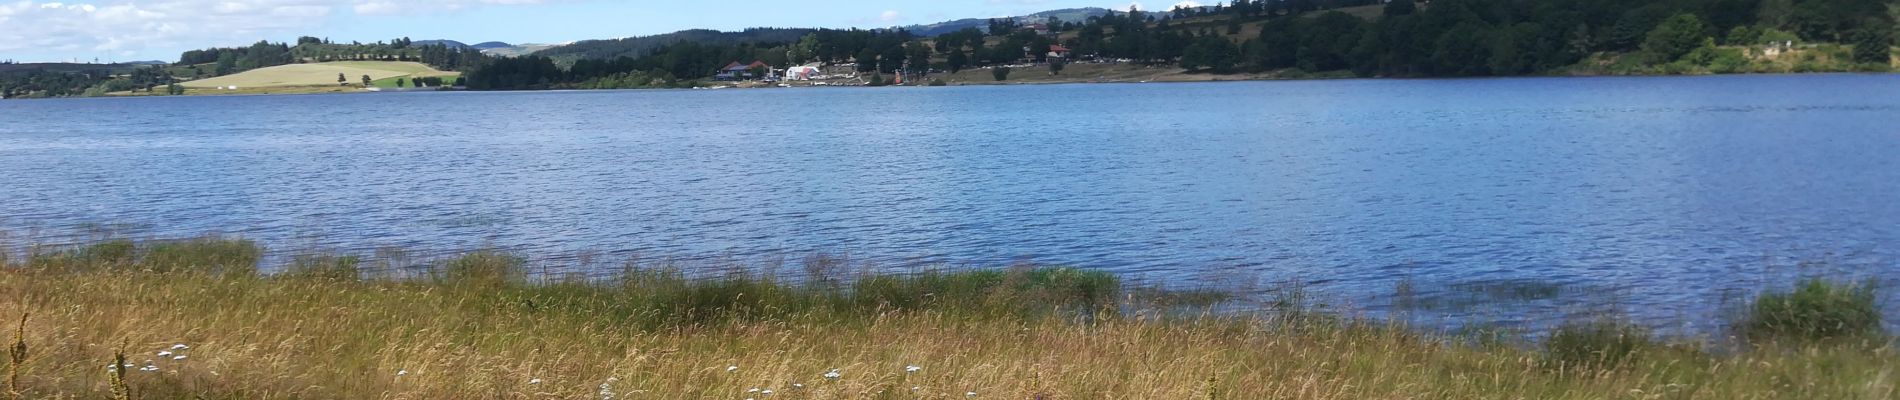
[[483, 268], [204, 255], [1728, 61], [109, 254], [1814, 310], [1001, 73], [937, 82], [1017, 291], [325, 267], [1599, 344]]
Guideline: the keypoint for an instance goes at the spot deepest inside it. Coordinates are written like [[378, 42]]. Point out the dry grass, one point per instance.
[[317, 75], [652, 336]]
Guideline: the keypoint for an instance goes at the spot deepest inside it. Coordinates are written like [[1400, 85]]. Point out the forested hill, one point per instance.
[[1268, 38], [1442, 38], [642, 45], [1069, 14]]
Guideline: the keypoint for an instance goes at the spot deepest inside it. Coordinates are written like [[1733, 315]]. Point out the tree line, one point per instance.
[[42, 82], [1405, 39], [1512, 37], [226, 61]]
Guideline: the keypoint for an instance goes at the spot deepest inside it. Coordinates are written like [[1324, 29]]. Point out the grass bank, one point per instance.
[[194, 319]]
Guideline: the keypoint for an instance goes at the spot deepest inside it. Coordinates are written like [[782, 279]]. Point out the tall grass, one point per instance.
[[1596, 344], [479, 326], [1814, 309], [210, 255]]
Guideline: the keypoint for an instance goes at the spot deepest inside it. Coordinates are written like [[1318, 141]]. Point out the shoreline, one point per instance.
[[328, 90], [195, 317]]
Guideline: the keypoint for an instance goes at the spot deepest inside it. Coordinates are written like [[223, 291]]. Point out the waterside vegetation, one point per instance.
[[196, 319]]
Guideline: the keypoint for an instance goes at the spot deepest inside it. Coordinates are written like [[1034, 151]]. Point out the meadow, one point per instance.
[[319, 74], [197, 319]]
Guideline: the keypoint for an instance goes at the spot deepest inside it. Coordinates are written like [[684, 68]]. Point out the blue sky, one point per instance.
[[128, 30]]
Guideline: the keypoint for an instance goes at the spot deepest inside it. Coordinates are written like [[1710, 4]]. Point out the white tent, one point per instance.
[[800, 73]]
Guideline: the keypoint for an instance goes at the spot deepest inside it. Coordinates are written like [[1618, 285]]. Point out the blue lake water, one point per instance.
[[1671, 193]]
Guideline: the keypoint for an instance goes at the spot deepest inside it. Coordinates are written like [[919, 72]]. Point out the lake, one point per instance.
[[1670, 193]]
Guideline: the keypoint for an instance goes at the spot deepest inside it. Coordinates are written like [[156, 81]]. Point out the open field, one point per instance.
[[319, 74], [193, 319]]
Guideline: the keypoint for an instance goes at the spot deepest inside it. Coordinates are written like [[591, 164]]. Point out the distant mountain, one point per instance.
[[517, 50], [1069, 15], [119, 68], [149, 62], [641, 45], [450, 43]]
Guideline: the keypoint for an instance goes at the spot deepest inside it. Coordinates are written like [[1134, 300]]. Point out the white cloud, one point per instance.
[[382, 7], [136, 27], [890, 16]]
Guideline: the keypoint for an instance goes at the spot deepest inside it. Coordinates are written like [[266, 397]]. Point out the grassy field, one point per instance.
[[194, 319], [319, 74]]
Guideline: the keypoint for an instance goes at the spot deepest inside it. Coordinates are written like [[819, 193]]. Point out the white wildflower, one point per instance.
[[178, 358], [834, 374], [970, 394], [752, 390], [535, 381], [180, 346], [766, 391], [731, 368], [402, 372], [913, 368], [607, 388], [798, 385], [164, 354]]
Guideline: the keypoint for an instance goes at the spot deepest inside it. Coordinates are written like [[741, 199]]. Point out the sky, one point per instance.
[[140, 30]]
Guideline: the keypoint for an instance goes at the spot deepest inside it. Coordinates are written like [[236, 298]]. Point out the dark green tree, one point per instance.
[[367, 81], [1000, 73], [867, 60], [1400, 8], [1676, 36], [1873, 46], [957, 60]]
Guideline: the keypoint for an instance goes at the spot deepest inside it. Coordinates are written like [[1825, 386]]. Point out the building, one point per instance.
[[1058, 51], [802, 73], [735, 71]]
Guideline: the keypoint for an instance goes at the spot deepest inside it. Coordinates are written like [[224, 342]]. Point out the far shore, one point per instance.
[[1020, 75]]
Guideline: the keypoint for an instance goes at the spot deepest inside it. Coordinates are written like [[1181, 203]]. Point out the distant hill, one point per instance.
[[77, 67], [507, 50], [641, 45], [1069, 15], [491, 45], [450, 43]]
